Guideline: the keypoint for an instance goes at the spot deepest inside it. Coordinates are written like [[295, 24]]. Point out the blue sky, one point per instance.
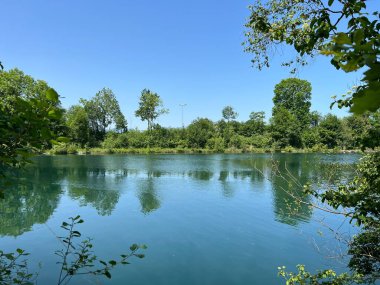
[[186, 51]]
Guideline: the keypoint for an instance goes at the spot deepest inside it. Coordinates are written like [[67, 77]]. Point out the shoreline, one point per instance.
[[103, 151]]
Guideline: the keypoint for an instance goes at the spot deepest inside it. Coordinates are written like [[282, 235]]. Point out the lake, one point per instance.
[[206, 219]]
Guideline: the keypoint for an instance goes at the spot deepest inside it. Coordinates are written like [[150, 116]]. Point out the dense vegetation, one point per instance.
[[98, 122], [348, 32]]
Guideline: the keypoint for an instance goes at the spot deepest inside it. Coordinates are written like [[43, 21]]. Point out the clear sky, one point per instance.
[[186, 51]]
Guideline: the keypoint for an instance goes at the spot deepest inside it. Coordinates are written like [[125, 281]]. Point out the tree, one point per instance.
[[78, 124], [199, 132], [255, 125], [342, 29], [284, 128], [229, 113], [294, 95], [30, 112], [103, 110], [330, 131], [150, 107]]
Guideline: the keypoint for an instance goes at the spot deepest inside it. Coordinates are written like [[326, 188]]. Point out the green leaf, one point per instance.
[[133, 247], [112, 262], [107, 274], [341, 39], [52, 95], [63, 139], [330, 2]]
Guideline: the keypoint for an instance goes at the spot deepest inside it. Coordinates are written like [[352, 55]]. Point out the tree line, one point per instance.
[[99, 122]]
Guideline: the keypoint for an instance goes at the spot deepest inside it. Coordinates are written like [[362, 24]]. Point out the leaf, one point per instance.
[[112, 262], [330, 2], [133, 247], [63, 139], [341, 39], [52, 95], [107, 274]]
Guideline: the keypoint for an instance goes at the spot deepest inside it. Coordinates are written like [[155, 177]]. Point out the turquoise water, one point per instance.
[[206, 219]]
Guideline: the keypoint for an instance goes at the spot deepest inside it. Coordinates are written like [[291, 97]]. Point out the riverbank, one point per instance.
[[72, 149]]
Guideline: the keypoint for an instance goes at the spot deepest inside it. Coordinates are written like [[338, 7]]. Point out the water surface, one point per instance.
[[207, 219]]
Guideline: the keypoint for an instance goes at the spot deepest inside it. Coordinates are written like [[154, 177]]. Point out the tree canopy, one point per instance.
[[30, 113], [342, 29], [150, 107]]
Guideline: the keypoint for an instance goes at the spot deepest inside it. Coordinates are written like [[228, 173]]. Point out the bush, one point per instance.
[[216, 144]]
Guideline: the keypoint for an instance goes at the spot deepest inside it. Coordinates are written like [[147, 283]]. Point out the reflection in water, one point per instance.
[[98, 181], [104, 201], [31, 201], [147, 195]]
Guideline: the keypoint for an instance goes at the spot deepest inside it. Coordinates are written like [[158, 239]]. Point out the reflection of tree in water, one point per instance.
[[147, 194], [95, 192], [104, 201], [201, 174], [288, 176], [29, 201], [228, 190], [252, 168]]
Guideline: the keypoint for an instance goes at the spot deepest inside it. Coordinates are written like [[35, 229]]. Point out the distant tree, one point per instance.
[[78, 124], [315, 118], [229, 113], [284, 128], [150, 107], [255, 125], [103, 110], [294, 95], [199, 132], [330, 131]]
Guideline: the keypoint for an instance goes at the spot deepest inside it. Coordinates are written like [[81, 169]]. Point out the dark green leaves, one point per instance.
[[311, 28]]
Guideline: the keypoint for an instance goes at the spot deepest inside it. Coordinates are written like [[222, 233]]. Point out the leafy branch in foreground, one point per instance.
[[345, 30], [14, 268], [79, 259], [76, 258], [327, 277]]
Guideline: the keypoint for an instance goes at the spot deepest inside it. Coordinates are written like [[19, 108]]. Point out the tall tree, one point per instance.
[[150, 107], [294, 95], [229, 113], [342, 29], [103, 110]]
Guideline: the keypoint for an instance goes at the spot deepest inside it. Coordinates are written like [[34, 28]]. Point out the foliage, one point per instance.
[[294, 95], [76, 258], [102, 111], [78, 124], [330, 131], [216, 144], [326, 277], [150, 107], [254, 126], [342, 29], [229, 113], [284, 128], [199, 132], [79, 259], [30, 115], [14, 268]]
